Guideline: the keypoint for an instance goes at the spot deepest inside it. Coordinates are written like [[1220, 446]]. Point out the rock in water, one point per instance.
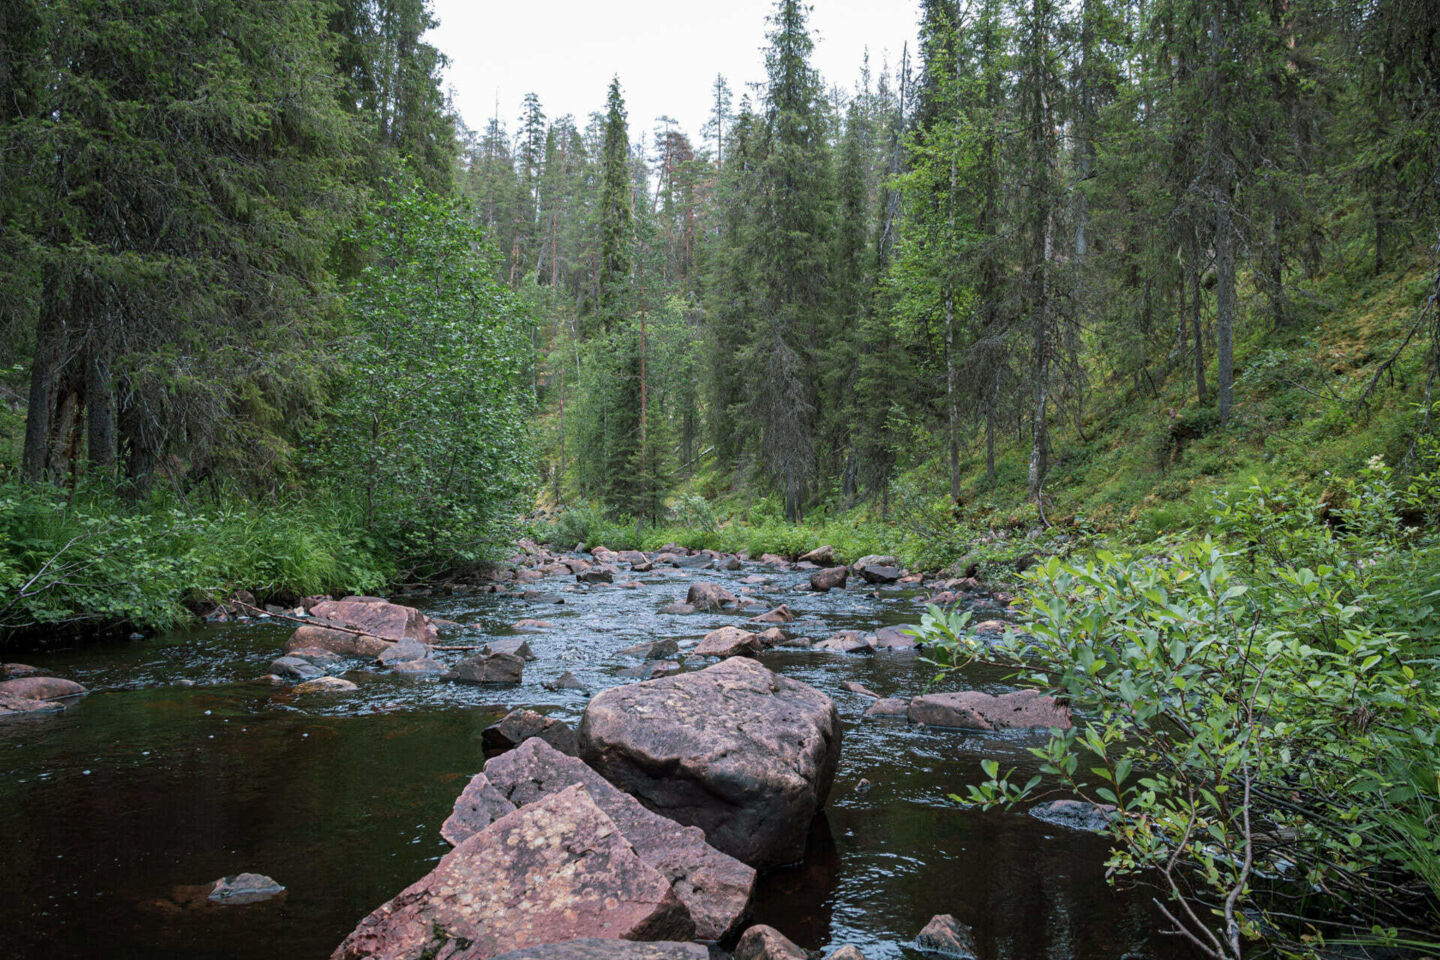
[[847, 641], [780, 614], [376, 618], [714, 887], [653, 650], [878, 574], [20, 706], [244, 888], [326, 685], [340, 642], [515, 646], [831, 578], [556, 870], [729, 642], [763, 942], [520, 725], [402, 650], [40, 688], [489, 668], [10, 671], [593, 949], [847, 952], [824, 556], [1076, 815], [707, 597], [896, 638], [973, 710], [295, 668], [566, 681], [947, 937], [743, 753]]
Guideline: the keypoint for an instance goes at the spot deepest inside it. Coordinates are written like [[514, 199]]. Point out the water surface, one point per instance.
[[109, 810]]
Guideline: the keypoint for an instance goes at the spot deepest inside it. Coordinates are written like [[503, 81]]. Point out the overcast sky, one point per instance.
[[666, 52]]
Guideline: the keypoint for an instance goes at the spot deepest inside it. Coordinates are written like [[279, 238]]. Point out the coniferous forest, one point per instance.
[[1123, 315]]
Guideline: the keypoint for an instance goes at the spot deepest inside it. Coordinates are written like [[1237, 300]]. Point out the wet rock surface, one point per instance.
[[764, 942], [944, 936], [556, 870], [743, 753], [520, 725], [974, 710], [596, 949], [714, 887]]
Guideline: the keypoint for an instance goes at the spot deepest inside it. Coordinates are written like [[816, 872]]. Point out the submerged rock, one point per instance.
[[715, 888], [678, 608], [520, 725], [651, 669], [295, 668], [1076, 815], [11, 706], [860, 688], [743, 753], [406, 649], [973, 710], [558, 869], [426, 667], [847, 641], [889, 707], [244, 888]]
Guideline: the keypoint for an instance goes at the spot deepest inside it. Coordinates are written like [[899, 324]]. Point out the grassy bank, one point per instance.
[[89, 561]]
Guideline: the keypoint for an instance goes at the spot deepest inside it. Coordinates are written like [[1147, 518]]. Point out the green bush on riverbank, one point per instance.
[[90, 561]]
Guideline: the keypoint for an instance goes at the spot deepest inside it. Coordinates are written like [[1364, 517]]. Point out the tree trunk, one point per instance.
[[1192, 269], [1224, 303], [952, 401], [49, 342], [100, 413]]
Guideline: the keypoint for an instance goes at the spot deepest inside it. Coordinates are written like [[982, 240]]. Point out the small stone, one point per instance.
[[859, 688], [514, 646], [764, 942], [566, 681], [947, 937], [889, 707], [653, 650], [863, 786], [326, 685]]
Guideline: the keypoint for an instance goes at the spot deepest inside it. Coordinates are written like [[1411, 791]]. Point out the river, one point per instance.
[[149, 784]]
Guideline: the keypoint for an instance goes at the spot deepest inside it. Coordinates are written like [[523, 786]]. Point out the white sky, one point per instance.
[[666, 52]]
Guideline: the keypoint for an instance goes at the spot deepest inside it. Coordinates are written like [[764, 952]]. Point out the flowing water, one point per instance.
[[179, 768]]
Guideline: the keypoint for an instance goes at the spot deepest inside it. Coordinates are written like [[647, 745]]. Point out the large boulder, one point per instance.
[[729, 642], [973, 710], [520, 725], [376, 618], [40, 688], [743, 753], [830, 578], [342, 642], [707, 597], [489, 668], [558, 869], [595, 949], [713, 886]]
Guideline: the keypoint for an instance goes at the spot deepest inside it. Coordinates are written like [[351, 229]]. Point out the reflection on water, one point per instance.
[[146, 786]]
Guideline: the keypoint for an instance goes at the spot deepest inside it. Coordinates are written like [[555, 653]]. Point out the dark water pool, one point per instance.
[[110, 810]]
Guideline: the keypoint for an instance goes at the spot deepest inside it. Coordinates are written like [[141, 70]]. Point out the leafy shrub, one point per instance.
[[1268, 736]]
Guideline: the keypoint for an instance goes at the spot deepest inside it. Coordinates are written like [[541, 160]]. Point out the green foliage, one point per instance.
[[1259, 714], [91, 561], [428, 437]]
